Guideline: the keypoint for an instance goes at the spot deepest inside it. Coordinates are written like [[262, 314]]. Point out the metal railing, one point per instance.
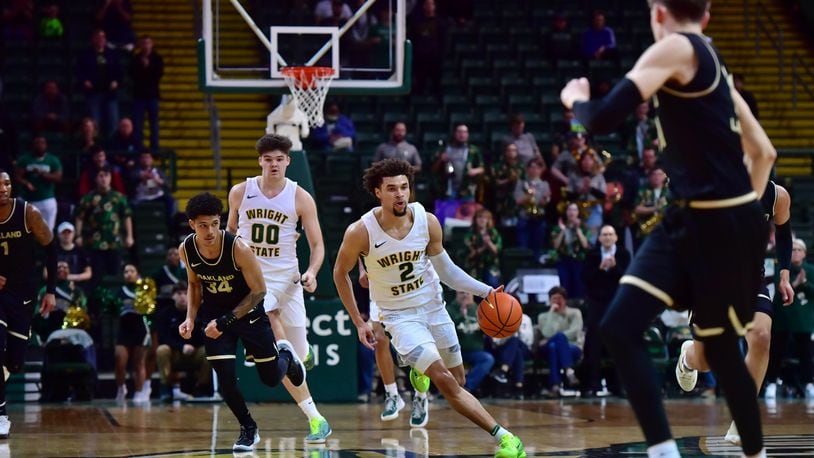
[[211, 106]]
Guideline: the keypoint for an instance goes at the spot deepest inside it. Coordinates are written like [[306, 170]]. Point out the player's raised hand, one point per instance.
[[366, 335], [309, 281], [185, 328], [577, 90]]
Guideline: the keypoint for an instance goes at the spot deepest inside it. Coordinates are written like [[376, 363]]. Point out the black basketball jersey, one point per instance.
[[768, 201], [223, 283], [699, 131], [17, 252]]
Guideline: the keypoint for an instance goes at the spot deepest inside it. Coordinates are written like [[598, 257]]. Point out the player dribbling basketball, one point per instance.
[[399, 241]]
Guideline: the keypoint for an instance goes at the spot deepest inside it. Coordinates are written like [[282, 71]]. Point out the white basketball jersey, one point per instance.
[[399, 271], [269, 226]]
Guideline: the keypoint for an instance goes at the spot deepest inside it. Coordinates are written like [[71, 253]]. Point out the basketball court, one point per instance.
[[573, 428]]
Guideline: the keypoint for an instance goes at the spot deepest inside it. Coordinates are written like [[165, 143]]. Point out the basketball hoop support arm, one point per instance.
[[260, 35]]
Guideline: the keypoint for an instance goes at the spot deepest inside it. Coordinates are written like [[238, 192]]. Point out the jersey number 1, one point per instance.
[[5, 248]]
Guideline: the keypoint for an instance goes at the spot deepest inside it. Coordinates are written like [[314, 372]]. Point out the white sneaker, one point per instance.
[[687, 378], [5, 425], [732, 435], [810, 391], [771, 391], [178, 395], [121, 393], [392, 406], [141, 397]]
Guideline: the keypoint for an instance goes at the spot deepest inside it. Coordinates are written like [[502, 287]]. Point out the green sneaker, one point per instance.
[[420, 382], [510, 447], [419, 415], [320, 430], [392, 406], [309, 361]]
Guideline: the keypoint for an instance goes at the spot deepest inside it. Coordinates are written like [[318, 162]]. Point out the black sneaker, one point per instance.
[[249, 437], [296, 369]]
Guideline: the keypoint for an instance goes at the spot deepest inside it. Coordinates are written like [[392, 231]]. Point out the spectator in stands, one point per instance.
[[527, 148], [8, 140], [559, 43], [79, 269], [18, 21], [566, 161], [428, 34], [604, 265], [483, 246], [511, 354], [640, 132], [648, 162], [505, 175], [86, 137], [170, 274], [562, 340], [569, 125], [599, 41], [100, 217], [67, 294], [332, 12], [99, 73], [49, 112], [338, 132], [793, 325], [132, 340], [98, 160], [124, 144], [463, 312], [146, 71], [115, 17], [459, 168], [175, 354], [748, 97], [150, 184], [651, 201], [399, 148], [532, 195], [358, 40], [51, 25], [587, 187], [570, 241], [38, 173]]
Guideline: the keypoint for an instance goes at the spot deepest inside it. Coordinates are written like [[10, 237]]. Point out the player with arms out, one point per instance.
[[226, 291], [399, 241], [21, 227], [777, 208], [264, 211], [706, 253]]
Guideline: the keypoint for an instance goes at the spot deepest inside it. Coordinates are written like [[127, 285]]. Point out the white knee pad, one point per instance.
[[421, 357], [451, 356]]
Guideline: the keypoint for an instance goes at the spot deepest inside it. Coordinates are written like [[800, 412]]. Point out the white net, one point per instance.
[[309, 86]]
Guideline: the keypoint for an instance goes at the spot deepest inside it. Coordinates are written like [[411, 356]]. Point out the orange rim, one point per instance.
[[305, 76]]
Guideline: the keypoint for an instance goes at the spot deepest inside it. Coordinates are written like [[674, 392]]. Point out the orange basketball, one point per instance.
[[499, 315]]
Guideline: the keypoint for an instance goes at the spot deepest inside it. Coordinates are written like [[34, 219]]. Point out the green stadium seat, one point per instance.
[[456, 104], [481, 86]]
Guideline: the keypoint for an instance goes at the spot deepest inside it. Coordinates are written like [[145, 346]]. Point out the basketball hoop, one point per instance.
[[309, 86]]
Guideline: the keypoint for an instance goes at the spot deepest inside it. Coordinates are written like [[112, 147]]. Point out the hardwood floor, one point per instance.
[[589, 428]]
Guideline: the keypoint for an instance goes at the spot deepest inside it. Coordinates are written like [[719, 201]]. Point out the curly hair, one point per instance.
[[204, 204], [684, 10], [390, 167], [272, 142]]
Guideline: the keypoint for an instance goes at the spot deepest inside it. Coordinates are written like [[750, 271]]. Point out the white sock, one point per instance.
[[666, 449], [391, 389], [309, 409], [420, 395], [499, 432], [761, 454]]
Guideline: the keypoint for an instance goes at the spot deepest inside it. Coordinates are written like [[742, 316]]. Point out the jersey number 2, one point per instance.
[[406, 271], [269, 234]]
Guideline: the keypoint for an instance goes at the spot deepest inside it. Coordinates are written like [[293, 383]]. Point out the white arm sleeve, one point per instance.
[[454, 277]]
